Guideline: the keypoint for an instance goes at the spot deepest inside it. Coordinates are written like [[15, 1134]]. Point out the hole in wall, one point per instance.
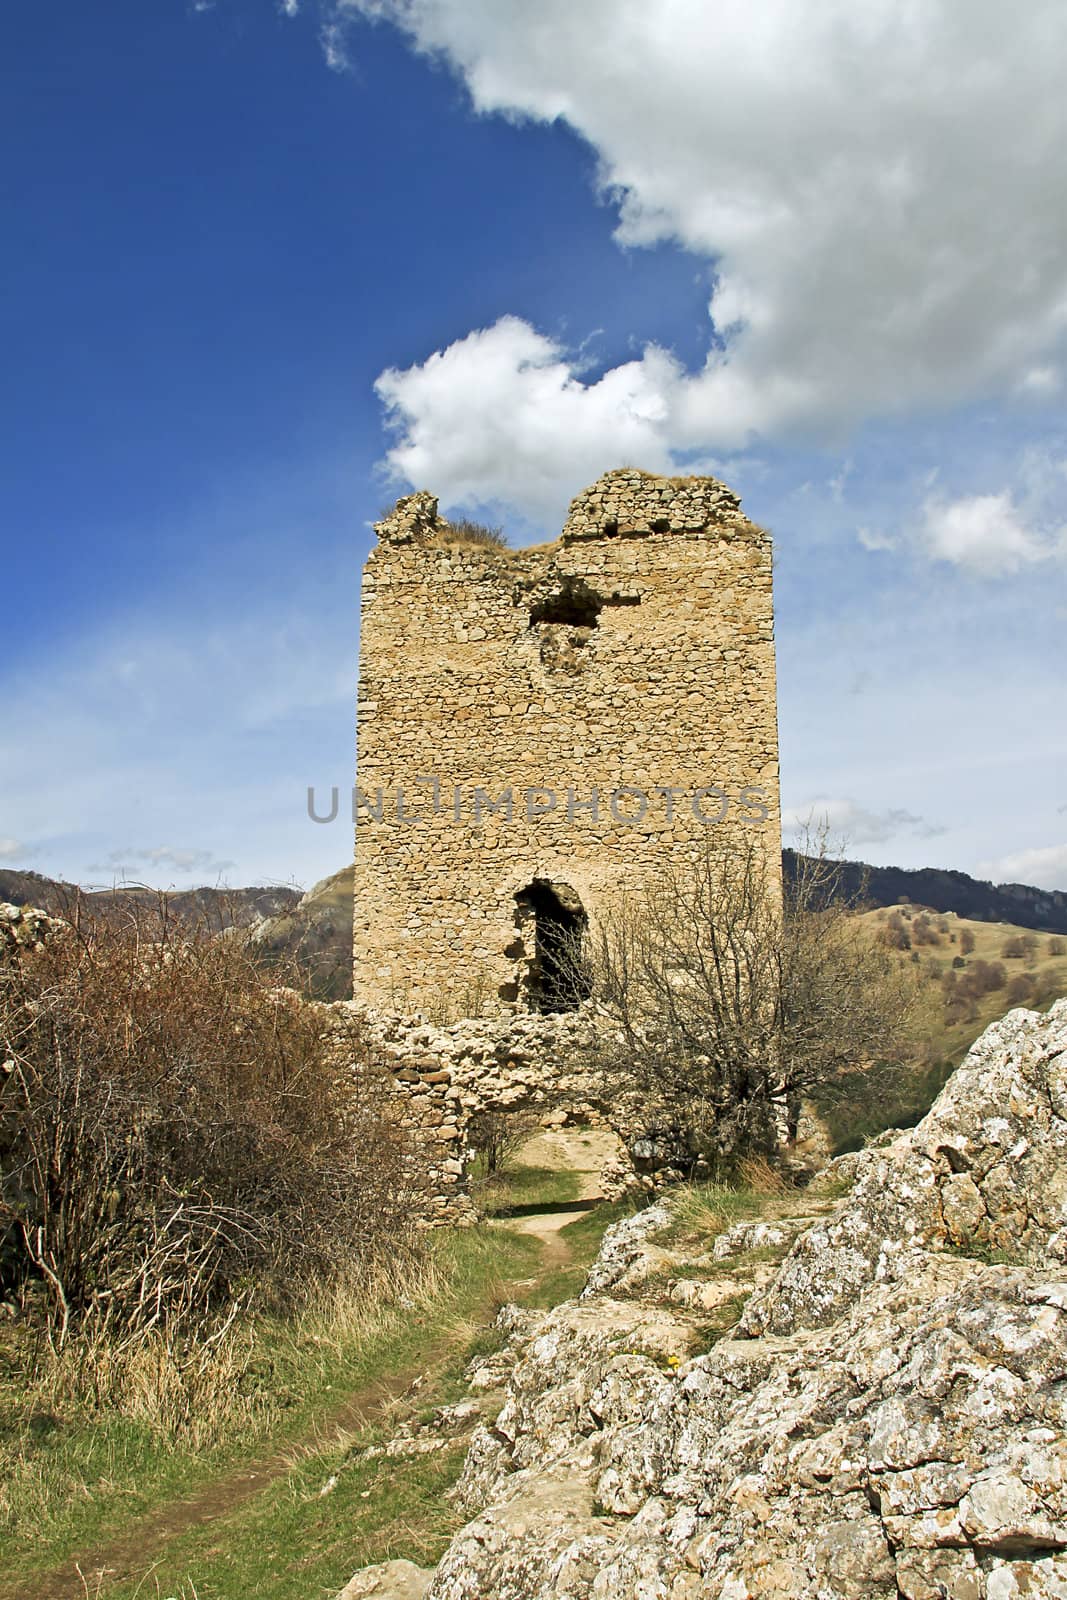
[[573, 603], [553, 921]]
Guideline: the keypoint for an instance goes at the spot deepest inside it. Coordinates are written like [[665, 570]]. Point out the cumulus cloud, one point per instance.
[[986, 532], [877, 188], [500, 416], [853, 824], [1045, 867], [11, 849]]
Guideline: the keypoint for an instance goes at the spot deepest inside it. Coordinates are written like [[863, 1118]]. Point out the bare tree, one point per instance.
[[721, 1006]]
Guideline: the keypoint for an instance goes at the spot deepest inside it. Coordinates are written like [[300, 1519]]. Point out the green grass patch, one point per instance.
[[583, 1237], [70, 1479], [520, 1190]]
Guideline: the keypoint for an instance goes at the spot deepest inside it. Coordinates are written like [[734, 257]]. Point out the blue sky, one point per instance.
[[267, 265]]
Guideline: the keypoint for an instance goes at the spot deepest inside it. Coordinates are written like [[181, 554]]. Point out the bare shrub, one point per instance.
[[177, 1137], [1020, 989], [895, 934], [923, 931], [496, 1136], [966, 941], [983, 977], [1057, 946], [723, 1008], [1019, 947]]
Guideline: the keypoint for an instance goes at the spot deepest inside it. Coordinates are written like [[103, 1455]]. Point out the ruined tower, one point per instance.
[[538, 727]]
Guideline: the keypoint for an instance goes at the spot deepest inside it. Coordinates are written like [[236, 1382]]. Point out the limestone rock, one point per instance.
[[24, 928], [391, 1580], [985, 1171], [890, 1419]]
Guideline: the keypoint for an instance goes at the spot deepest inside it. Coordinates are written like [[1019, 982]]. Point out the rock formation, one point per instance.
[[885, 1416]]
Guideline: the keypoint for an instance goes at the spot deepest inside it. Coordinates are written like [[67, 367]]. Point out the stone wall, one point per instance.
[[539, 727], [444, 1076]]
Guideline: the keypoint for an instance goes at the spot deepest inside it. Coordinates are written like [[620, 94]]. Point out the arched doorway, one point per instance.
[[552, 921]]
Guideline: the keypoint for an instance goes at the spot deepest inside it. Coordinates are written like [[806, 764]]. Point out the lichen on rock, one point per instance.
[[889, 1418]]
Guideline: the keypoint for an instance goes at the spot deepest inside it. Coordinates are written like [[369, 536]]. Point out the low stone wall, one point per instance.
[[447, 1075]]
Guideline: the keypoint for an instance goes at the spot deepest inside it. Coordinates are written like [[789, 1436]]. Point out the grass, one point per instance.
[[71, 1480], [521, 1190]]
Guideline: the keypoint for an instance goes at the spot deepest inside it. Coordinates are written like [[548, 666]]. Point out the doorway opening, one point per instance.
[[552, 920]]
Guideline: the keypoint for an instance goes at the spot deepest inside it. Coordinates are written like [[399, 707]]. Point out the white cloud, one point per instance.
[[500, 416], [985, 532], [334, 46], [1044, 867], [11, 849], [877, 187], [853, 824], [196, 863], [875, 539], [290, 8]]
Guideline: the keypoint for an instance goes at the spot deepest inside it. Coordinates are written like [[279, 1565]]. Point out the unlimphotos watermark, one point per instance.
[[427, 802]]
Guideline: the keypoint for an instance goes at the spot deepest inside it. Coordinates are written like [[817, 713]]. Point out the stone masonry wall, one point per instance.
[[555, 716], [444, 1076]]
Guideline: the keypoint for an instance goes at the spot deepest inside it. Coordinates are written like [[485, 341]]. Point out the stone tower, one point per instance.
[[539, 727]]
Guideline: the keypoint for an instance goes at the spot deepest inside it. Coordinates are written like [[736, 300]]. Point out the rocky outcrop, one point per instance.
[[887, 1416], [23, 928]]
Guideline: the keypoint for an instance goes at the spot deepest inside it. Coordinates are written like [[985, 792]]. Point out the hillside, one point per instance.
[[316, 928], [316, 932], [973, 972], [1044, 910], [214, 908]]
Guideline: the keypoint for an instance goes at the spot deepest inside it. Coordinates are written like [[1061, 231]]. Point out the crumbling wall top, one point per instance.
[[628, 501], [413, 520]]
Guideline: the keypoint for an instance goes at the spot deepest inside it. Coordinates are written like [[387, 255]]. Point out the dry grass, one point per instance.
[[466, 532]]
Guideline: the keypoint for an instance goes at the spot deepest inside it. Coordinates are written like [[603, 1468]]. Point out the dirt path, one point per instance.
[[132, 1554]]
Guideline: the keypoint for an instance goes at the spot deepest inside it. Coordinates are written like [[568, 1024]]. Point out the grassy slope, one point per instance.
[[75, 1484], [71, 1481], [293, 1542], [867, 1103]]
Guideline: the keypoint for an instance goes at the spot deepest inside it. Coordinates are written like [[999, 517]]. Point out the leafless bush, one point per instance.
[[177, 1137], [1018, 947], [723, 1008], [895, 934], [981, 978], [497, 1135], [1020, 989], [966, 941]]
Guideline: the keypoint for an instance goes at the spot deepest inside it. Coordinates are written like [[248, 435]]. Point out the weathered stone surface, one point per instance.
[[24, 928], [448, 1073], [391, 1580], [899, 1433], [506, 696], [985, 1171]]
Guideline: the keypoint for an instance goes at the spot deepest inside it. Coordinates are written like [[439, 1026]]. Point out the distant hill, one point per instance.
[[214, 908], [315, 929], [942, 890], [316, 932]]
